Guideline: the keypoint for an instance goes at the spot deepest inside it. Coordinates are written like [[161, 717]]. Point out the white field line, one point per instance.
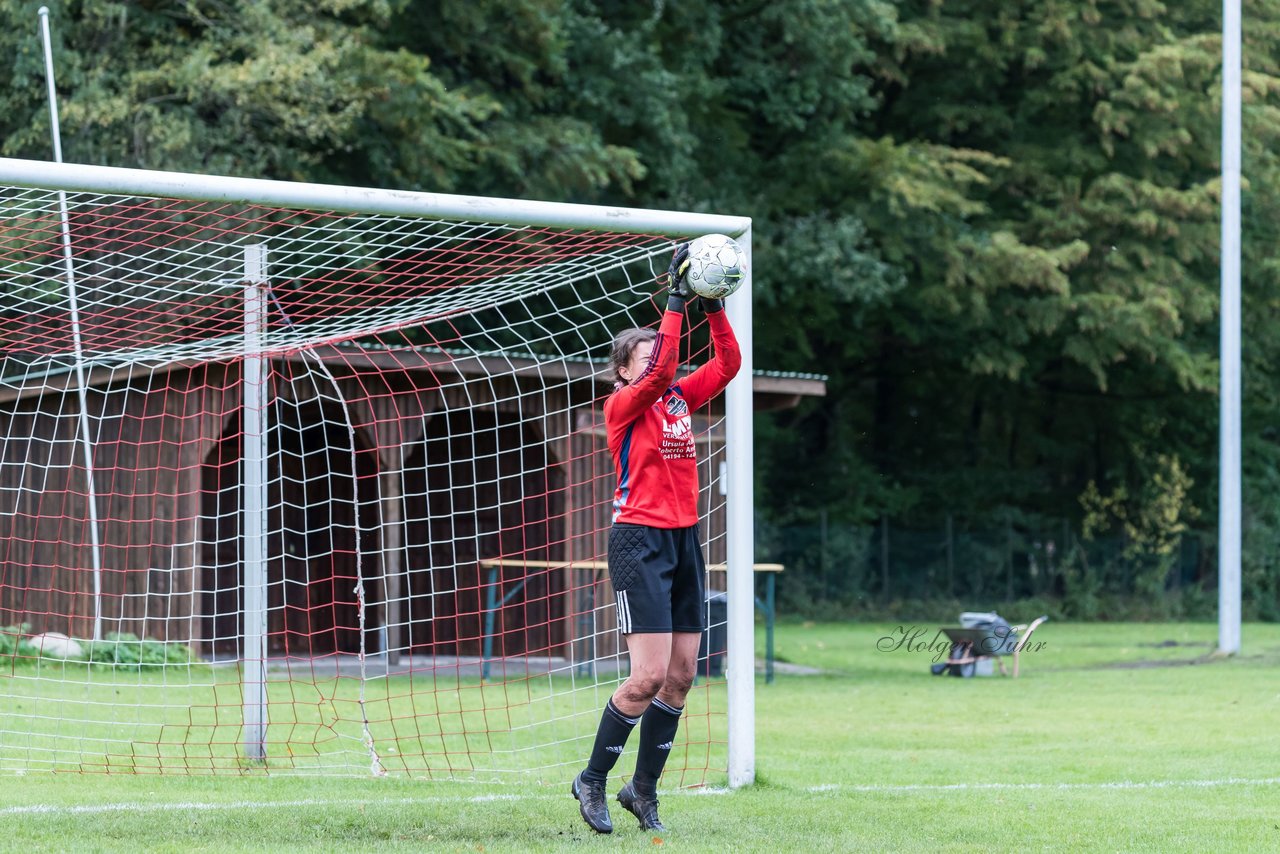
[[200, 806], [1055, 787]]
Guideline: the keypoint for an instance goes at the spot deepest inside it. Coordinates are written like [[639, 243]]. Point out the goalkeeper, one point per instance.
[[655, 553]]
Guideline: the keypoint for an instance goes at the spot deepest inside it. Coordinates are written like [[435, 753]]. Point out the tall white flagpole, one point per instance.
[[1229, 504]]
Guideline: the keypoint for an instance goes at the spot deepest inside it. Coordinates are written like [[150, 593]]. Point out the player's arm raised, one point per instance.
[[710, 379], [642, 392]]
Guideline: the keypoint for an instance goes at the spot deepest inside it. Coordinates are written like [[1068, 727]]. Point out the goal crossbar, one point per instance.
[[74, 177]]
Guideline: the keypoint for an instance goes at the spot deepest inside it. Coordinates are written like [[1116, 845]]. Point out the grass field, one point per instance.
[[1115, 738]]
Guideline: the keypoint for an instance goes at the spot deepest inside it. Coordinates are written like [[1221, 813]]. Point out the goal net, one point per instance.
[[297, 479]]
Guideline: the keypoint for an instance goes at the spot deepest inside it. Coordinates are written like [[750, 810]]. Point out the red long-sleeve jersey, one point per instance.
[[650, 427]]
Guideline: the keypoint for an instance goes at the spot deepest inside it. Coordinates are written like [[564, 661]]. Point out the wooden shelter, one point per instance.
[[396, 471]]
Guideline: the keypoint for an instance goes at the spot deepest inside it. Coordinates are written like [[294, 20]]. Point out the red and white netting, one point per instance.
[[422, 398]]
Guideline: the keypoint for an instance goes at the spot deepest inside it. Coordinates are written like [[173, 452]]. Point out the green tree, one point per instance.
[[281, 89], [994, 226]]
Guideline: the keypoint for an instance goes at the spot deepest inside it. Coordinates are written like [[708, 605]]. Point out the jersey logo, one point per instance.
[[676, 406], [681, 428], [677, 439]]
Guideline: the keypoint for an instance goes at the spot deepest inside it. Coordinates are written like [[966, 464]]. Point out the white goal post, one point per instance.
[[345, 456]]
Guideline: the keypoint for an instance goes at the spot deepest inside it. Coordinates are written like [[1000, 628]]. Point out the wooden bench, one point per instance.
[[494, 567]]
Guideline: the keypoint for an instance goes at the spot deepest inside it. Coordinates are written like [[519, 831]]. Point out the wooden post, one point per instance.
[[1008, 545], [884, 556], [951, 557], [392, 549], [823, 563]]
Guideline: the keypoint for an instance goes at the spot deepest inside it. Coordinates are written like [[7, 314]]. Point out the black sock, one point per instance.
[[657, 735], [611, 737]]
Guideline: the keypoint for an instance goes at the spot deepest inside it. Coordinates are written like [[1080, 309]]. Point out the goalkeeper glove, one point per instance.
[[678, 292], [710, 306]]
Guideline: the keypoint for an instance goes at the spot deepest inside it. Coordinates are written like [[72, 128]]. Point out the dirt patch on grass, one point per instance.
[[789, 668], [1147, 663], [1269, 657]]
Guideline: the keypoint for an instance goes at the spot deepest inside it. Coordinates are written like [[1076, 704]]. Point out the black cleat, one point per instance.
[[643, 807], [591, 803]]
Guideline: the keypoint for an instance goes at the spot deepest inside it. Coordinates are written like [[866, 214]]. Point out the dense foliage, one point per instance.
[[993, 226]]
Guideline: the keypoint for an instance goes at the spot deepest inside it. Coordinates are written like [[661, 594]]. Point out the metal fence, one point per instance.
[[951, 560]]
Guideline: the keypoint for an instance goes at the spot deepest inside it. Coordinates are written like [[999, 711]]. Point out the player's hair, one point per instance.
[[624, 344]]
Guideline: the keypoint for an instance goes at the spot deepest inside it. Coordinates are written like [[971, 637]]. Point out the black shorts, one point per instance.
[[657, 576]]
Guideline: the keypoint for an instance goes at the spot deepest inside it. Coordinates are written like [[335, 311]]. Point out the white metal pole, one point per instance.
[[1229, 503], [740, 515], [214, 188], [86, 445], [254, 396]]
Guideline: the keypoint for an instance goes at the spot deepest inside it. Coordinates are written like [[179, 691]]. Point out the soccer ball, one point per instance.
[[717, 266]]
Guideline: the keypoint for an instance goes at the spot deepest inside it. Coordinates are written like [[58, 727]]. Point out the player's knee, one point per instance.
[[678, 683], [642, 685], [634, 696]]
